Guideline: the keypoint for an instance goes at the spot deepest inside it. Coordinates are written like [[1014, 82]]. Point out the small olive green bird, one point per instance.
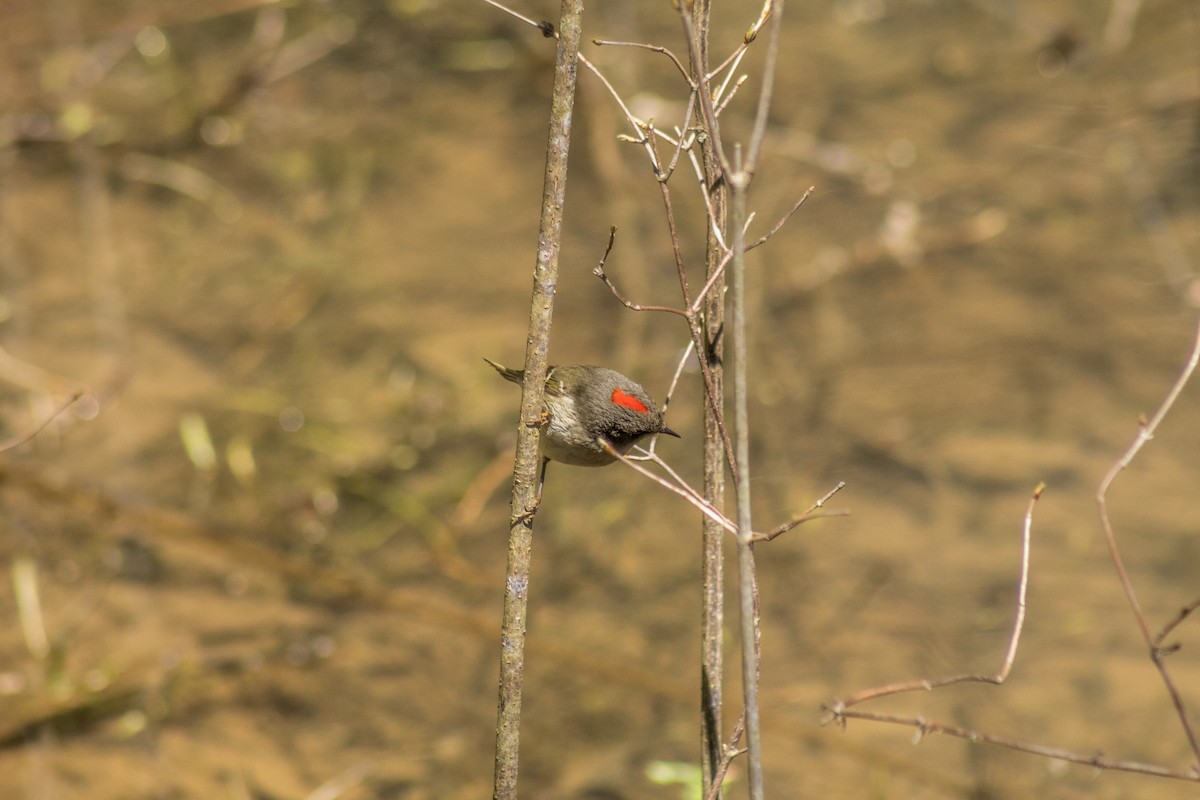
[[585, 405]]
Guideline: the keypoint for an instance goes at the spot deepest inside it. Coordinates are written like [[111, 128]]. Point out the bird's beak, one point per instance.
[[670, 432]]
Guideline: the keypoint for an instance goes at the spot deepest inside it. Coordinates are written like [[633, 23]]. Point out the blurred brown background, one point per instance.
[[264, 553]]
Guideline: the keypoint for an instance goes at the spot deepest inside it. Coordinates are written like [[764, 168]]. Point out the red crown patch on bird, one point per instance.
[[628, 401]]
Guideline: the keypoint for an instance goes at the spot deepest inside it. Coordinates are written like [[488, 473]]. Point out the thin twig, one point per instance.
[[637, 124], [687, 494], [809, 514], [1146, 433], [654, 48], [685, 141], [714, 226], [25, 437], [548, 30], [774, 9], [1098, 760], [729, 97], [756, 243], [692, 318], [599, 272], [999, 676], [729, 752], [1183, 614], [532, 22], [782, 220]]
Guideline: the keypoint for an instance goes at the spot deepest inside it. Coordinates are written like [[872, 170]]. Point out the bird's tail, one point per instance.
[[514, 375]]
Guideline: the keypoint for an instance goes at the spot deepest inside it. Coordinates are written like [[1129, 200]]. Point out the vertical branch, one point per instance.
[[713, 565], [739, 183], [525, 470], [741, 479]]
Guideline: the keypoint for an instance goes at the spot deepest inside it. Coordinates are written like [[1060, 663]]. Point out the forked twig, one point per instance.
[[729, 752], [810, 513], [653, 48], [693, 319], [599, 272], [837, 709], [720, 270], [1146, 433], [1095, 759], [684, 491], [1183, 614]]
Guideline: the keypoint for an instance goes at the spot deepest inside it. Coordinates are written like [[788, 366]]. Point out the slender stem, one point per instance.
[[525, 470], [768, 84], [1098, 760], [32, 432], [738, 183], [1145, 434], [713, 759], [1010, 655]]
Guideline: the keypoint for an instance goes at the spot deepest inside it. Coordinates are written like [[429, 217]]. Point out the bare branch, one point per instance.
[[775, 9], [525, 494], [998, 677], [1146, 433], [809, 513], [685, 141], [1095, 760], [727, 98], [1183, 614], [599, 272], [684, 491], [761, 240], [782, 220], [729, 752], [654, 48], [638, 125], [683, 359], [693, 321]]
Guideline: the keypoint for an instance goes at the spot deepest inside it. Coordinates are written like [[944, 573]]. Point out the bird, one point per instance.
[[585, 406]]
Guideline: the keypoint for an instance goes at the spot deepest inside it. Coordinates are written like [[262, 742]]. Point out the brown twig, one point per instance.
[[729, 752], [686, 140], [774, 10], [809, 514], [732, 93], [549, 31], [737, 177], [1145, 433], [682, 489], [693, 320], [1098, 760], [757, 242], [599, 272], [25, 437], [526, 488], [838, 707], [1183, 614], [653, 48]]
